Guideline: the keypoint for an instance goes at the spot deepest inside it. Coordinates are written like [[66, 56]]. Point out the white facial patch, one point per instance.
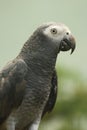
[[60, 31]]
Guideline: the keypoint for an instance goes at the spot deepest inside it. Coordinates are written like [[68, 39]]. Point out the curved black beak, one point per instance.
[[67, 44]]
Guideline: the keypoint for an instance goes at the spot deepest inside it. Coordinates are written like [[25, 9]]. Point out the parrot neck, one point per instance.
[[38, 53]]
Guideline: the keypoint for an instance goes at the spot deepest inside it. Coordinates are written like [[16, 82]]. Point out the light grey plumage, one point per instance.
[[28, 83]]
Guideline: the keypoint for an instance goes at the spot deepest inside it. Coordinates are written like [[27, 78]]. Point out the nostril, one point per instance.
[[67, 33]]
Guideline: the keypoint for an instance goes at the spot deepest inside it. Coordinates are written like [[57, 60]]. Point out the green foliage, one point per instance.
[[70, 112]]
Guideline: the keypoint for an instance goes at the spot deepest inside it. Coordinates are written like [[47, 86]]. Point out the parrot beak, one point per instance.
[[67, 44]]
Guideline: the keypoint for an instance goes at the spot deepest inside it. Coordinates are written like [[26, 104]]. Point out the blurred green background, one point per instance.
[[18, 19]]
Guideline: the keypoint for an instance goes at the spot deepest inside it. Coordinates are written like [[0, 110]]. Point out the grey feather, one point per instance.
[[28, 84], [12, 80], [53, 94]]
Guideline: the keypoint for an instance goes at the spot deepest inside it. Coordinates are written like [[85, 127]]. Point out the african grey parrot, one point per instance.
[[28, 84]]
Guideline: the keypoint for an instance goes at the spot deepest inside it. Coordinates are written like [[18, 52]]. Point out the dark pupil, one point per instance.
[[54, 30]]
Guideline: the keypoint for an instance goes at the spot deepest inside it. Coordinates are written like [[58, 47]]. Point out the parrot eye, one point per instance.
[[54, 31]]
